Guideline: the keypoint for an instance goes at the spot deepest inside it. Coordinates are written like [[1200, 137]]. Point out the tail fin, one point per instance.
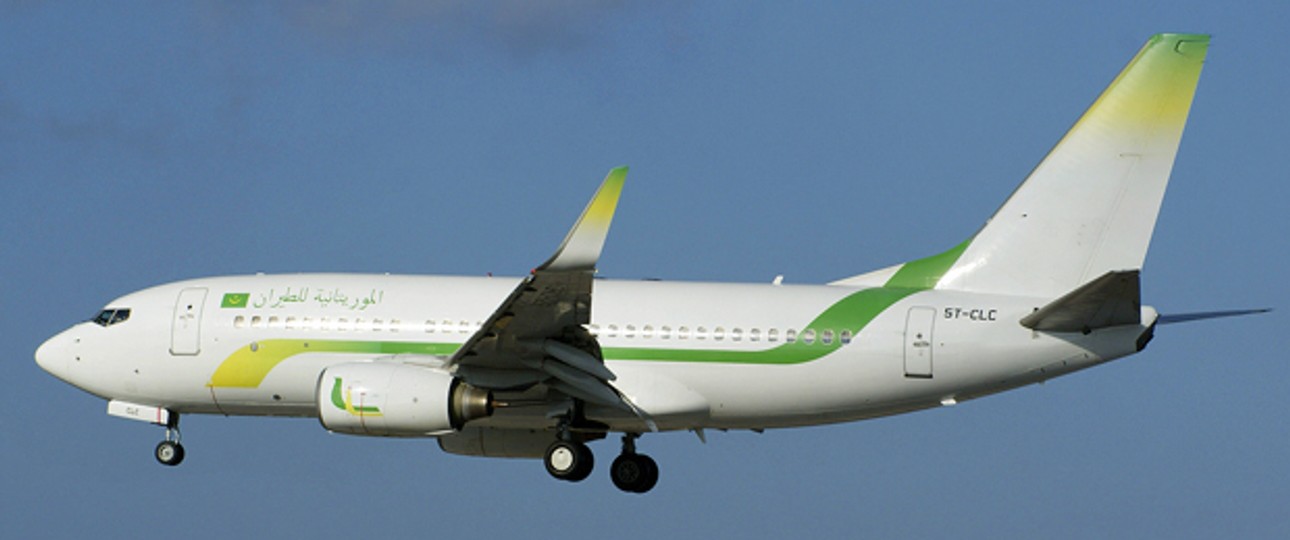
[[1090, 206]]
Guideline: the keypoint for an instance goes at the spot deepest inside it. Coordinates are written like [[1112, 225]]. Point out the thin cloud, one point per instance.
[[520, 29]]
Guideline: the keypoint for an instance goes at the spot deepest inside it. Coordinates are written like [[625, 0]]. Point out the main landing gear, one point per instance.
[[632, 472], [169, 452], [571, 460]]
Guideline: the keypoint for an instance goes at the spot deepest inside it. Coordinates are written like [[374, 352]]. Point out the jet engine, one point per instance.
[[397, 400]]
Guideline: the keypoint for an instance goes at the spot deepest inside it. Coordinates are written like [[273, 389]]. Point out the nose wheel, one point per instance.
[[632, 472], [169, 452]]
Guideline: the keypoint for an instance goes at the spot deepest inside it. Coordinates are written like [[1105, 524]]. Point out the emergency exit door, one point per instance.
[[918, 342], [185, 330]]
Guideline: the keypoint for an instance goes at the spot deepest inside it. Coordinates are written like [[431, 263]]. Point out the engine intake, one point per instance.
[[397, 400]]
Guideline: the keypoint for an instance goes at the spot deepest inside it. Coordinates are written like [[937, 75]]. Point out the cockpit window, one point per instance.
[[109, 317]]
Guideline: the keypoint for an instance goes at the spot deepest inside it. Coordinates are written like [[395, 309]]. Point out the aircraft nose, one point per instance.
[[51, 356]]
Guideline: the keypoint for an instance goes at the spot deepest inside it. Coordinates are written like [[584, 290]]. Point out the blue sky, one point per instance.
[[161, 141]]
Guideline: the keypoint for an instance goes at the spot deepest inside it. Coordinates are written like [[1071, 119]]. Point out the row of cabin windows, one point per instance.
[[808, 336], [343, 324]]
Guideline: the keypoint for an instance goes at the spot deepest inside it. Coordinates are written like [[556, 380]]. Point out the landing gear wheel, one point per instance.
[[568, 460], [169, 453], [634, 473]]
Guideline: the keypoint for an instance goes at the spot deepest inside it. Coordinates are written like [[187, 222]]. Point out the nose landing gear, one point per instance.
[[169, 451]]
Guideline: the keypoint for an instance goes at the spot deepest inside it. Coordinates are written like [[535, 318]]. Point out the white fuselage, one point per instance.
[[691, 355]]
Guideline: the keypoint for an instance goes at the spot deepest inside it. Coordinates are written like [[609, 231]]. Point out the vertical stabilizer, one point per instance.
[[1090, 206]]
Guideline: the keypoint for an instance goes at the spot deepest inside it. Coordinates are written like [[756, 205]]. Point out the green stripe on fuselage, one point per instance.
[[850, 314], [248, 367]]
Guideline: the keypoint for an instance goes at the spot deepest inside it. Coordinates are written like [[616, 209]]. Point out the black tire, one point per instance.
[[570, 461], [651, 476], [634, 473], [169, 453]]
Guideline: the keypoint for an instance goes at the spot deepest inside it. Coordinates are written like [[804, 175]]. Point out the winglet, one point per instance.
[[581, 248]]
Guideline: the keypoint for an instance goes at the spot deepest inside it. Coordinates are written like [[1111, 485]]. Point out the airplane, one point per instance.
[[541, 365]]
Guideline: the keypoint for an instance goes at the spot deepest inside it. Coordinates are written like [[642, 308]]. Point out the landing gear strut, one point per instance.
[[169, 452], [632, 472]]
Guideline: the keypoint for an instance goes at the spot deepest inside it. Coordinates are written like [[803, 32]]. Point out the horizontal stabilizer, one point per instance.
[[1111, 300], [1202, 315]]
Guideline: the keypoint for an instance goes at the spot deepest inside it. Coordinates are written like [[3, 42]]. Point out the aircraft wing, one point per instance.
[[537, 334]]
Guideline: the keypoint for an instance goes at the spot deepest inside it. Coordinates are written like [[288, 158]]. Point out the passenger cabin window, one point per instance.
[[109, 317]]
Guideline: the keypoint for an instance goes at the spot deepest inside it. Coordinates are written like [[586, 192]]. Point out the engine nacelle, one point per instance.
[[397, 400]]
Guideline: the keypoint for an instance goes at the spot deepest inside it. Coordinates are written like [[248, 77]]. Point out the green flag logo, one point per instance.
[[235, 300]]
